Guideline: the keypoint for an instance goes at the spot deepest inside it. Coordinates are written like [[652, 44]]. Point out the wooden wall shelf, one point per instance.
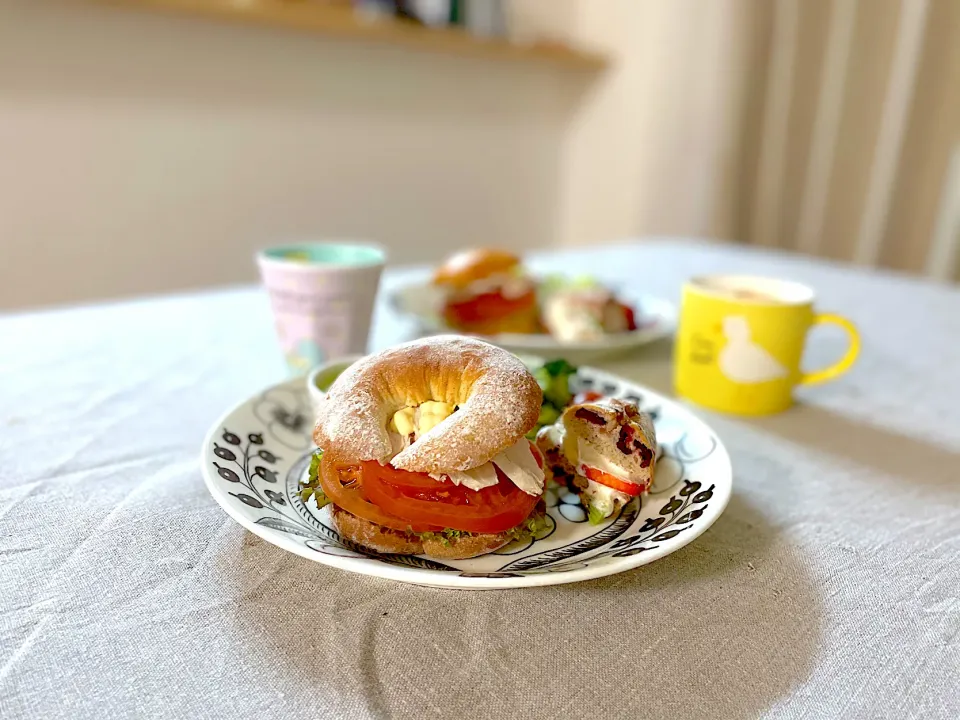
[[342, 23]]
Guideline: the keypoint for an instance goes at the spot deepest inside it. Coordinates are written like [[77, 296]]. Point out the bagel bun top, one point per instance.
[[498, 402], [471, 265]]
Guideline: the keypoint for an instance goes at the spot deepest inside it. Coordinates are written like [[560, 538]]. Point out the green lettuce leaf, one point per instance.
[[311, 488], [554, 379], [595, 515], [524, 530]]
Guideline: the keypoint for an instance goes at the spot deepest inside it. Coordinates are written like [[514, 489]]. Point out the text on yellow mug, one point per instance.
[[740, 341]]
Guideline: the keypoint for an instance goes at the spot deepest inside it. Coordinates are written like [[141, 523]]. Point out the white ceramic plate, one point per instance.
[[254, 457], [656, 319]]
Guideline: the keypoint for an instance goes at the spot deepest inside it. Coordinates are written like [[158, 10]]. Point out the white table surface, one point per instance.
[[829, 588]]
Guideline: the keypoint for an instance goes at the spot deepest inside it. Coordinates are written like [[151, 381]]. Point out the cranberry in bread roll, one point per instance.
[[487, 292], [606, 451], [424, 449]]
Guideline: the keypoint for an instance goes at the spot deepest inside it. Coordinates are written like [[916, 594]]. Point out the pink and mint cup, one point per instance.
[[322, 295]]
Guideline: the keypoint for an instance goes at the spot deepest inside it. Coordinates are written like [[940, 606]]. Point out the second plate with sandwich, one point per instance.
[[489, 294]]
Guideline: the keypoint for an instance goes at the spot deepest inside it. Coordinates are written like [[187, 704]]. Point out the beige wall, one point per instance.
[[857, 117], [932, 135], [655, 147], [141, 153]]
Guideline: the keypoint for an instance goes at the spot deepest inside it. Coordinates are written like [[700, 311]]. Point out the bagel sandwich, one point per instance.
[[423, 450], [605, 451], [486, 292]]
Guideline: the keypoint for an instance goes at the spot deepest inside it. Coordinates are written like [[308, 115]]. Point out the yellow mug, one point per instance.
[[740, 341]]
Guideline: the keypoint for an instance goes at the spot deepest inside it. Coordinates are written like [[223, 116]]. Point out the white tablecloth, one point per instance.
[[829, 588]]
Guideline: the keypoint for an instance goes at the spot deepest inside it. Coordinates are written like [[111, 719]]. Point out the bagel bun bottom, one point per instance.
[[382, 539], [525, 321]]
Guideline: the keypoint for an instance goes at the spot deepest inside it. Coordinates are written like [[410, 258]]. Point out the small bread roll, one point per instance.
[[609, 435]]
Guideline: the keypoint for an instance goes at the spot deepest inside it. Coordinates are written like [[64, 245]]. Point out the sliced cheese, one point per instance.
[[475, 479], [589, 457], [519, 464]]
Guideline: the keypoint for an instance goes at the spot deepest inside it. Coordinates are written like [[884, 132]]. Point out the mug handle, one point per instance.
[[844, 363]]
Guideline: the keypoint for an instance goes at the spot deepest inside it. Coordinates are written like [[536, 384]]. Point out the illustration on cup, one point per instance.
[[307, 354], [744, 361]]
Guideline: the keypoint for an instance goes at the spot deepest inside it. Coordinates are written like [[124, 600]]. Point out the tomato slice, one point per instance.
[[537, 455], [488, 306], [612, 481], [490, 510], [586, 396], [415, 501], [343, 485], [421, 499]]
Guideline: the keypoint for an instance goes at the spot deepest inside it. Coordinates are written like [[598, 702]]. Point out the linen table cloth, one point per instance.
[[830, 587]]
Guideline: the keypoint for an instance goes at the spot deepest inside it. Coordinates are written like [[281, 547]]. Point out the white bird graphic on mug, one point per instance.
[[742, 360]]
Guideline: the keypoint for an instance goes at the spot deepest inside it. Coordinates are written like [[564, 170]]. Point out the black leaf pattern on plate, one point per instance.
[[227, 474], [284, 411], [293, 421], [491, 575], [682, 515], [704, 496], [667, 535], [269, 476], [597, 540], [631, 551], [690, 487], [283, 525], [672, 506], [248, 500], [414, 561], [223, 453], [649, 525], [336, 549], [692, 515]]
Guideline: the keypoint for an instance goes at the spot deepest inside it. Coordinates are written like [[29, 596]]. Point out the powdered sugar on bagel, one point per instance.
[[498, 399]]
